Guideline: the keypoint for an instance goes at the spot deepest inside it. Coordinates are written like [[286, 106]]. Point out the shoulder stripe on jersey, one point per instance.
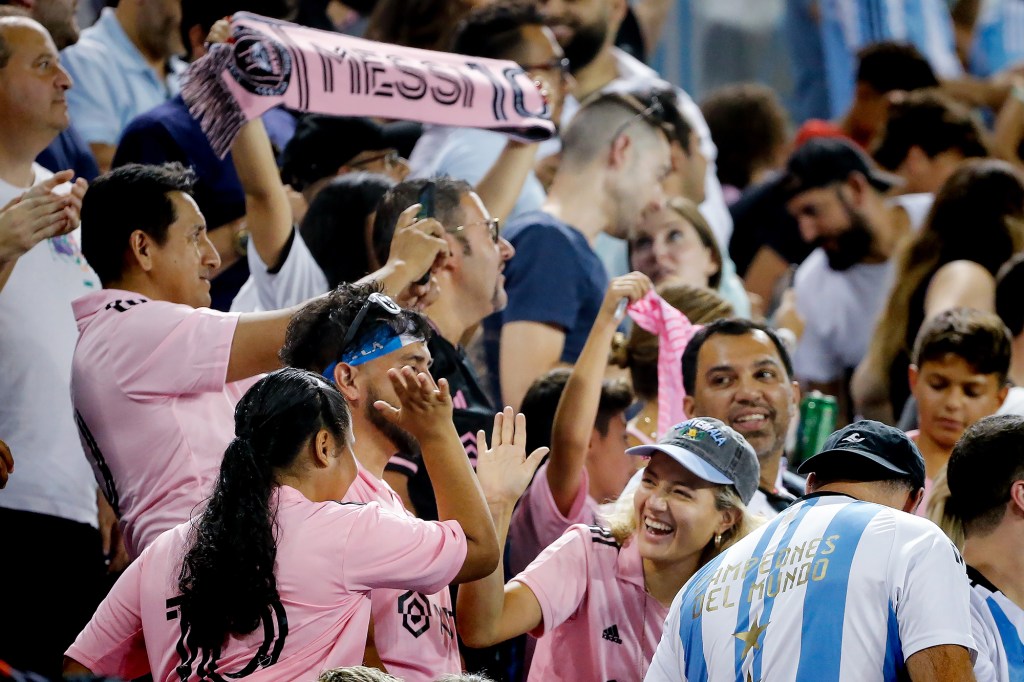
[[1012, 645], [793, 516], [603, 536], [824, 612], [768, 603]]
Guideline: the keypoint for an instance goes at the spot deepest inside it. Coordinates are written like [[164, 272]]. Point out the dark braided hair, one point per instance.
[[227, 577]]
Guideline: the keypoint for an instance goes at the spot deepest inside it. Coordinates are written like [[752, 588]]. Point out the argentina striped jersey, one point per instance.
[[998, 37], [998, 626], [831, 590]]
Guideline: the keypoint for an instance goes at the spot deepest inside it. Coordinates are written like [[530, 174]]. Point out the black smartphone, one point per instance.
[[426, 211]]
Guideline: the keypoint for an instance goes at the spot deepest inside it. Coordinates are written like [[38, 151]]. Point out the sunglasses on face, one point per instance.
[[391, 159]]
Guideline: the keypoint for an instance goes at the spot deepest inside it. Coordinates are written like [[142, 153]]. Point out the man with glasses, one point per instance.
[[325, 147], [471, 287], [616, 156], [501, 169]]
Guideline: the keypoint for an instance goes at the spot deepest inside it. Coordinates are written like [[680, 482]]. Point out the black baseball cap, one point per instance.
[[712, 450], [822, 161], [868, 451], [323, 144]]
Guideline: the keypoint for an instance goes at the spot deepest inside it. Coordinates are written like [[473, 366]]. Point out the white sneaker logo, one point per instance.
[[853, 438]]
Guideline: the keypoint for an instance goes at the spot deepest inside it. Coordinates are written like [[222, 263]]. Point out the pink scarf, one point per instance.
[[674, 330], [271, 62]]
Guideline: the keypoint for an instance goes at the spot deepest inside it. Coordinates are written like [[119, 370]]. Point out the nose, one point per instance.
[[64, 80], [808, 229], [210, 257], [657, 501], [747, 388], [506, 249]]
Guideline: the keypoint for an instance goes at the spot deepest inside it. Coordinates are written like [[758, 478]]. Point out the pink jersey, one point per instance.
[[329, 556], [599, 622], [537, 522], [153, 411], [414, 632]]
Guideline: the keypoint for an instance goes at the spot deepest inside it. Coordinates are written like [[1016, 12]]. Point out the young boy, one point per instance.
[[961, 360]]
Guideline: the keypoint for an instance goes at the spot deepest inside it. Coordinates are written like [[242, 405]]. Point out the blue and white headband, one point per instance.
[[378, 343]]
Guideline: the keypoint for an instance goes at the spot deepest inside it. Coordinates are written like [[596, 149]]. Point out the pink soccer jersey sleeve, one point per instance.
[[537, 521], [112, 643], [384, 549], [559, 578], [162, 349]]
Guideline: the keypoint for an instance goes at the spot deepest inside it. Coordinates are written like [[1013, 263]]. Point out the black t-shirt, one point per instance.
[[473, 412]]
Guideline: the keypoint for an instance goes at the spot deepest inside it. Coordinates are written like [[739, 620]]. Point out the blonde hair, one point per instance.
[[639, 354], [619, 517], [936, 511]]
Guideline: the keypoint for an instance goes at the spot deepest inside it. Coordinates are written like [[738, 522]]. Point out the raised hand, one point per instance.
[[504, 469], [39, 214], [631, 287], [425, 407]]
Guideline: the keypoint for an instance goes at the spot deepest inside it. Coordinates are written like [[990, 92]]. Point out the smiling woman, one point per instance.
[[619, 581]]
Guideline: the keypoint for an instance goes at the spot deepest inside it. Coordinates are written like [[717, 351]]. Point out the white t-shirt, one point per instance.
[[1014, 403], [468, 154], [298, 279], [998, 627], [831, 590], [841, 308], [37, 341]]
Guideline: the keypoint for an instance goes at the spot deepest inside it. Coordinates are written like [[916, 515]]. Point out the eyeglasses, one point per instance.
[[391, 159], [554, 64], [380, 301], [493, 227], [653, 115]]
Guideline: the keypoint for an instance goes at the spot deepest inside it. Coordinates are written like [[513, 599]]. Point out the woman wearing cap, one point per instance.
[[597, 597], [271, 581]]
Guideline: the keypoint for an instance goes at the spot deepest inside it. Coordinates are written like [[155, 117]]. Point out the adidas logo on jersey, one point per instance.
[[853, 438], [612, 634]]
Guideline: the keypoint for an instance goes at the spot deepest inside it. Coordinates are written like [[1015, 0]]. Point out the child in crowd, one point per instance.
[[959, 375]]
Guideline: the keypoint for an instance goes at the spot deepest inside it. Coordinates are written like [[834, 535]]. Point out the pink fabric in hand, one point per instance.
[[674, 330]]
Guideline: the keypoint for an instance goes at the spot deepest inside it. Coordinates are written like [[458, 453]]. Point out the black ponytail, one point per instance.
[[227, 576]]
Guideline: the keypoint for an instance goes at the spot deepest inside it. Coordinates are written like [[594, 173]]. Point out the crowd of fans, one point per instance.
[[373, 400]]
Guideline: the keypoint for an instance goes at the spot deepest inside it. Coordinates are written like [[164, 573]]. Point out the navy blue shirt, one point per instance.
[[69, 151], [555, 278]]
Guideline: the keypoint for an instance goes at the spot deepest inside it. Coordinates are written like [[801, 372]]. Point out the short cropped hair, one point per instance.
[[931, 121], [734, 326], [133, 197], [979, 338], [605, 116], [356, 673], [889, 65], [984, 464], [541, 402], [494, 30], [447, 208], [316, 333]]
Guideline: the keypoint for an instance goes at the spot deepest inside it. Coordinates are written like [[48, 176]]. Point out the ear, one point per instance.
[[620, 150], [917, 161], [913, 374], [617, 13], [322, 442], [797, 394], [914, 501], [1017, 496], [345, 379], [730, 518], [141, 246], [812, 483], [457, 251], [857, 187], [688, 404], [196, 41]]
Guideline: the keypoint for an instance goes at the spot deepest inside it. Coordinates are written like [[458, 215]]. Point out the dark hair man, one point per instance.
[[739, 371]]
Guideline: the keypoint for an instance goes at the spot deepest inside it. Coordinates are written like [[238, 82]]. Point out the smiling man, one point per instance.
[[739, 372], [154, 369]]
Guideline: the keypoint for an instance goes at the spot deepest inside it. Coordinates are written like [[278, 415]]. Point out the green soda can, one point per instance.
[[817, 422]]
